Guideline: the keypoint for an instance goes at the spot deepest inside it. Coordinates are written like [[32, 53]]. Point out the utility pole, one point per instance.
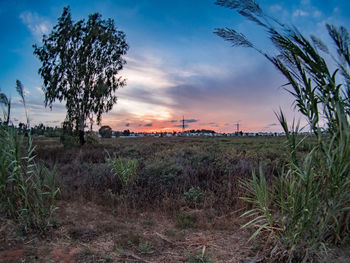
[[237, 126], [183, 123]]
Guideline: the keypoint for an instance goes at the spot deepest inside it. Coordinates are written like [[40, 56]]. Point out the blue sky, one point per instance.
[[175, 65]]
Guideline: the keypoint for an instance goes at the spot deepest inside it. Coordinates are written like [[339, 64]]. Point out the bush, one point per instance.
[[124, 169], [193, 195], [91, 138], [105, 131], [69, 141]]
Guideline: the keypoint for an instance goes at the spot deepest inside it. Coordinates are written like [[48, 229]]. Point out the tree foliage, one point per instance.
[[80, 65], [105, 131]]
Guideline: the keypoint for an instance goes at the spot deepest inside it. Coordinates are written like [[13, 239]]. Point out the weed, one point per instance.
[[145, 248], [107, 259], [185, 220], [201, 257], [149, 222], [193, 195], [124, 169]]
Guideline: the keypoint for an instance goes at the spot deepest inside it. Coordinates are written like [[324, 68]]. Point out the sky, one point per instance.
[[175, 66]]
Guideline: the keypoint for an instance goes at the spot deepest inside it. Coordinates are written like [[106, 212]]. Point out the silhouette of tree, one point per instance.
[[80, 65], [105, 131]]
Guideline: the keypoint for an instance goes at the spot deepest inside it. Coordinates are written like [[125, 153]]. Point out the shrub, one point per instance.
[[91, 138], [185, 220], [193, 195], [123, 168], [105, 131], [69, 141]]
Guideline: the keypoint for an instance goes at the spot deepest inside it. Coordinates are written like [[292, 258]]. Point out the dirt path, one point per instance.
[[90, 233]]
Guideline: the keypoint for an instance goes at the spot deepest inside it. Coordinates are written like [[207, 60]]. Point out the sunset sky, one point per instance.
[[175, 66]]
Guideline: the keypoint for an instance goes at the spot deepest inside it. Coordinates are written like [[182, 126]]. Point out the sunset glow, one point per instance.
[[175, 66]]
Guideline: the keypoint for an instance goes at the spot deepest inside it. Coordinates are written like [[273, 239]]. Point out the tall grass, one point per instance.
[[122, 168], [27, 190], [307, 207]]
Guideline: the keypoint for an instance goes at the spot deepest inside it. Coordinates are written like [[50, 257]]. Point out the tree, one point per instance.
[[80, 65], [105, 131], [126, 132]]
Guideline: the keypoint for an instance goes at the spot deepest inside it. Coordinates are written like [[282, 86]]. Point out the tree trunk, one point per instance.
[[81, 130], [81, 137]]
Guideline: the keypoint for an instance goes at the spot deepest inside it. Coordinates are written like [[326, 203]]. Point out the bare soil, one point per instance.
[[87, 232]]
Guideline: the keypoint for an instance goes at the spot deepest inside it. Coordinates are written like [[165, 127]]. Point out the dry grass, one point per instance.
[[91, 233]]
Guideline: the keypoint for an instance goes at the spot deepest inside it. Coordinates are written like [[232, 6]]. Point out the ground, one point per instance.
[[87, 232]]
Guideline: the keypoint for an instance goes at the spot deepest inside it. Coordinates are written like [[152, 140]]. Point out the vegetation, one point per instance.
[[147, 172], [105, 131], [124, 169], [307, 206], [27, 190], [297, 199], [6, 107], [20, 91], [80, 62]]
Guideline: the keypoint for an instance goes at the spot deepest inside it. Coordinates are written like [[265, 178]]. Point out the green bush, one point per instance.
[[193, 195], [69, 141], [91, 138], [123, 168], [27, 190], [185, 220]]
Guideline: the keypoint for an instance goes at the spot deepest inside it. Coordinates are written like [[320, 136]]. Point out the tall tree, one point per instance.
[[80, 65]]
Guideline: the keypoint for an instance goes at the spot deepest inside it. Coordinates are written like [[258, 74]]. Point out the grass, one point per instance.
[[306, 207], [166, 171], [27, 190]]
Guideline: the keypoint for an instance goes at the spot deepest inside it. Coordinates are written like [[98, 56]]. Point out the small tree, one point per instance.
[[105, 131], [80, 65]]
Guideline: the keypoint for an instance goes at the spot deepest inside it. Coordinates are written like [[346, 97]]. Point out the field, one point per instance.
[[148, 199], [181, 204]]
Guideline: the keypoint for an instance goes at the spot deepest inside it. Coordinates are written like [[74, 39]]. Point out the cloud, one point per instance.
[[317, 14], [148, 125], [127, 125], [300, 13], [37, 25], [275, 8], [180, 126], [199, 90], [53, 122], [191, 120]]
